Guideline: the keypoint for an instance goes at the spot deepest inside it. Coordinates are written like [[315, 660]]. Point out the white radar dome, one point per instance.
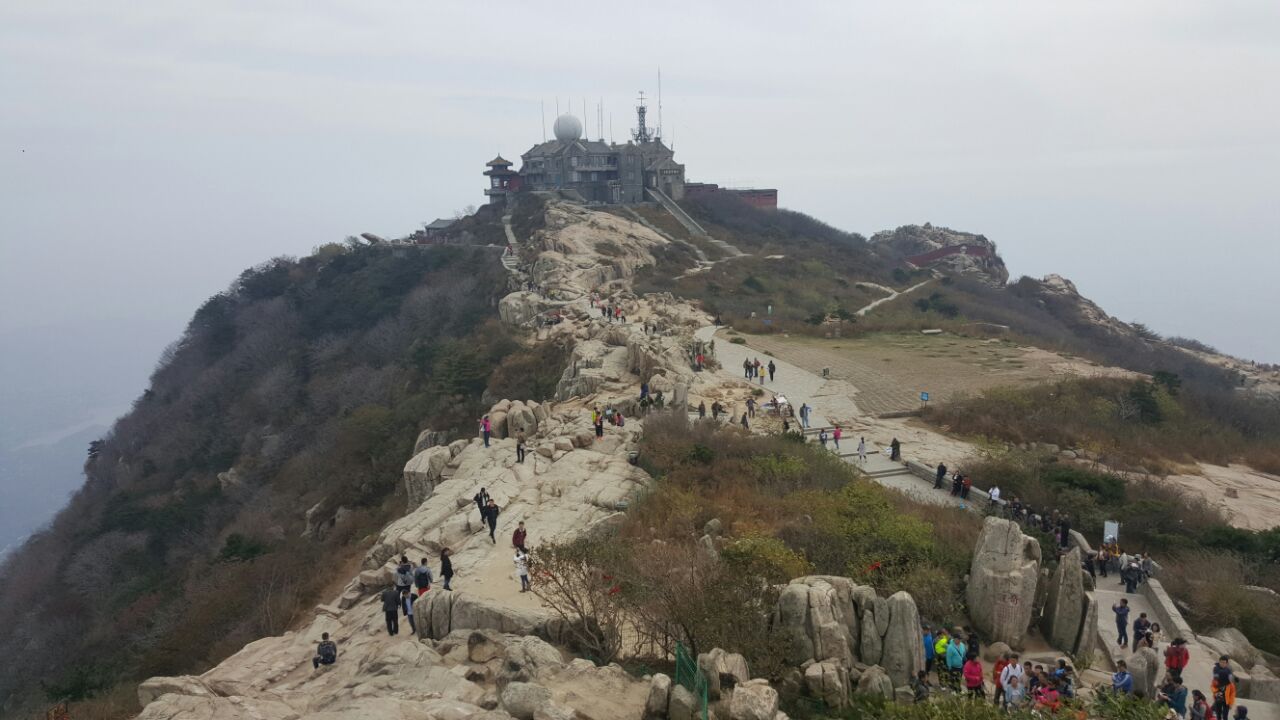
[[568, 128]]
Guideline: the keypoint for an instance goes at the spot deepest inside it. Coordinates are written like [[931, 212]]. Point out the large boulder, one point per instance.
[[1088, 643], [903, 646], [522, 700], [422, 473], [428, 439], [1145, 666], [875, 681], [754, 700], [1002, 581], [520, 418], [683, 705], [829, 682], [1237, 646], [1064, 610], [181, 685], [655, 705], [436, 614], [520, 308]]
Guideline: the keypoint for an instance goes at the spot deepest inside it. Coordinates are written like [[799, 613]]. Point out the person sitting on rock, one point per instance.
[[1122, 681], [326, 652], [920, 687]]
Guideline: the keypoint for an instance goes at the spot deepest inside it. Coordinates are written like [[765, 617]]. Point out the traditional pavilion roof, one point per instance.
[[497, 162]]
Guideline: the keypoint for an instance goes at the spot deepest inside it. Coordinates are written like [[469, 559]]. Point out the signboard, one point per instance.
[[1110, 530], [924, 397]]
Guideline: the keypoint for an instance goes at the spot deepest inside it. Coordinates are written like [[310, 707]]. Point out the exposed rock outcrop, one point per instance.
[[423, 472], [1002, 582], [1064, 610]]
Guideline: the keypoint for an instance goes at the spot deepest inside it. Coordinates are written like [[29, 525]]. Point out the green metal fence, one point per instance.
[[691, 678]]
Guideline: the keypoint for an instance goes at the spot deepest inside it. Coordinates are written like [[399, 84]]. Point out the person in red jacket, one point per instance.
[[972, 671], [999, 667], [518, 537], [1176, 656]]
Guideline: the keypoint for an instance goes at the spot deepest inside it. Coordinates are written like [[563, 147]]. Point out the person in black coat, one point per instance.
[[942, 475], [490, 516], [391, 609], [446, 567]]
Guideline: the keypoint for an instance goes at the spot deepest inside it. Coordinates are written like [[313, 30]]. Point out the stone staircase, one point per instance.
[[677, 212]]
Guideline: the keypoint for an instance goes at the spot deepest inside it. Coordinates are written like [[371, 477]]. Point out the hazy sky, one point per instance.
[[149, 151]]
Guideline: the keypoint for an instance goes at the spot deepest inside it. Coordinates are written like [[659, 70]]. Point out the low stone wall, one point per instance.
[[924, 472], [1166, 612]]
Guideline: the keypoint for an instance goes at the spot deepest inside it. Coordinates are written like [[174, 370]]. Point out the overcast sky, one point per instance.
[[149, 151]]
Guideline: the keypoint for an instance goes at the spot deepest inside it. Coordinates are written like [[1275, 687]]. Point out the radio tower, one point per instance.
[[641, 133]]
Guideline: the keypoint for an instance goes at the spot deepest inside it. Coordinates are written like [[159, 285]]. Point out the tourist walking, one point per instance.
[[406, 606], [1174, 695], [835, 437], [822, 438], [702, 409], [482, 499], [895, 450], [422, 578], [520, 447], [391, 609], [491, 516], [957, 653], [404, 575], [1176, 656], [939, 476], [772, 369], [522, 569], [1141, 627], [972, 671], [486, 429], [804, 414], [519, 536], [745, 426], [446, 568], [862, 450]]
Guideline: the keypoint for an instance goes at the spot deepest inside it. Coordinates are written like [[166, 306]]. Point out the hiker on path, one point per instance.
[[422, 578], [482, 499], [485, 429], [835, 437], [862, 450], [755, 370], [702, 409], [406, 606], [446, 567], [491, 516], [716, 409], [326, 652], [599, 426], [957, 653], [965, 486], [939, 476], [404, 575], [391, 609], [751, 407], [522, 568], [519, 536], [746, 369], [997, 670], [1121, 609], [1129, 576], [804, 414], [895, 450], [1177, 656], [520, 447], [745, 426], [772, 369], [972, 671], [1224, 695], [822, 438]]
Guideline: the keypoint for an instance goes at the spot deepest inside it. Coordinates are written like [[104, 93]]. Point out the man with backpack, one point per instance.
[[404, 575], [422, 578], [326, 652]]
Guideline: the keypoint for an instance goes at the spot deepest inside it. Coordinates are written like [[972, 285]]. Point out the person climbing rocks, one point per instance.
[[326, 652], [391, 609], [446, 568], [1121, 680], [772, 369], [482, 499], [939, 476], [702, 409], [518, 537], [1121, 609], [486, 429], [404, 575], [895, 450], [422, 578], [1176, 656], [835, 437], [491, 516], [522, 569], [406, 606], [862, 450], [520, 447]]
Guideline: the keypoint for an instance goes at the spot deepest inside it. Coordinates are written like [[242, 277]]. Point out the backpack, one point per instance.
[[422, 577], [328, 651]]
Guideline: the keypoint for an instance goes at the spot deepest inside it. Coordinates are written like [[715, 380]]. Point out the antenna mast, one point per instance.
[[641, 134], [659, 102], [544, 120]]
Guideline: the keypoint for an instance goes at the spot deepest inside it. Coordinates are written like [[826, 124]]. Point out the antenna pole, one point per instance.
[[659, 102], [544, 120]]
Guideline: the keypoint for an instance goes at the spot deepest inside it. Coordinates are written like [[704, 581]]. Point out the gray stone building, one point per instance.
[[599, 171]]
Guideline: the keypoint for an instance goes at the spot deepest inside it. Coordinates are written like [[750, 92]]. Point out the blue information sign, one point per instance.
[[924, 397]]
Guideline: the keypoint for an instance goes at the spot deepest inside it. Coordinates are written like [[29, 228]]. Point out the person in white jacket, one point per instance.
[[522, 569]]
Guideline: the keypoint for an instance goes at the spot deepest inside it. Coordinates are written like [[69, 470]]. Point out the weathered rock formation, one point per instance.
[[836, 625], [1002, 582], [1066, 605]]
